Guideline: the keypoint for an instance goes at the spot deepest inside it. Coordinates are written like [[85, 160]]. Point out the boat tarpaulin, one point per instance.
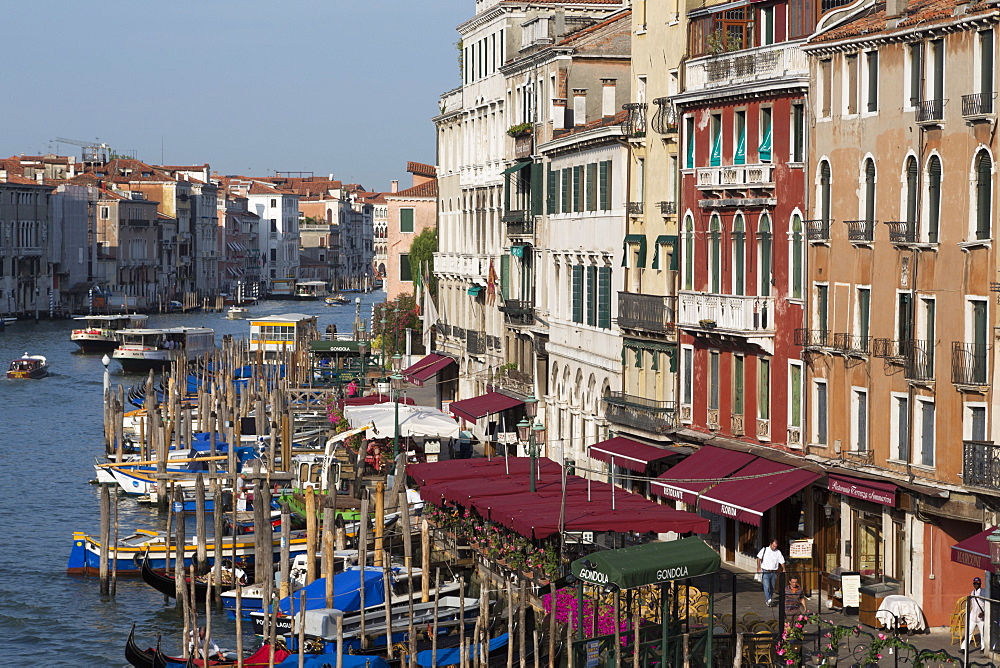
[[452, 655], [647, 564], [427, 368], [975, 551], [629, 454], [347, 592], [483, 405], [758, 487], [321, 660], [687, 480]]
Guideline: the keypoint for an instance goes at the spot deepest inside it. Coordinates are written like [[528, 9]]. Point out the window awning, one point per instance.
[[636, 240], [629, 454], [748, 499], [517, 166], [481, 406], [427, 368], [708, 463], [666, 240], [868, 490], [474, 290], [975, 552]]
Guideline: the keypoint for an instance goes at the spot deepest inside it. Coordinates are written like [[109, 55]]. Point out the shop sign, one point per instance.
[[851, 585], [800, 549], [859, 490]]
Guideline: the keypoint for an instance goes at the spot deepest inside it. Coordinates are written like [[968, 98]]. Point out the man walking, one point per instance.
[[769, 562], [976, 619]]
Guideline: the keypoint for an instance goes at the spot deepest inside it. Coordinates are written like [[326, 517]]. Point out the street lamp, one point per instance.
[[107, 375], [397, 383], [363, 351], [994, 541]]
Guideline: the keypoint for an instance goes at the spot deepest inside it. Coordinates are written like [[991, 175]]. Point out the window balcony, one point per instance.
[[665, 119], [902, 232], [981, 464], [519, 223], [475, 343], [518, 312], [736, 177], [635, 121], [668, 208], [739, 314], [655, 417], [650, 313], [852, 345], [930, 112], [812, 338], [774, 61], [968, 364], [817, 229], [860, 231], [977, 105], [635, 208]]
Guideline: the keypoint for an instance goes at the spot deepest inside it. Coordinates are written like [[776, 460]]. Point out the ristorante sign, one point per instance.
[[862, 489]]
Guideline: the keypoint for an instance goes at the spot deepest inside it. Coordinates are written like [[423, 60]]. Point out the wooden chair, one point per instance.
[[758, 650], [957, 622]]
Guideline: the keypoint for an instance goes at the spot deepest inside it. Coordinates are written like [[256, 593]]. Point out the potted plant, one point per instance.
[[520, 130], [707, 324]]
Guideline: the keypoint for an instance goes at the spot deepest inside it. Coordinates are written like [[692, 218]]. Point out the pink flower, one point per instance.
[[881, 636]]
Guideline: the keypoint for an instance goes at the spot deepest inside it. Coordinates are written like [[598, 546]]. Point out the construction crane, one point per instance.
[[93, 152]]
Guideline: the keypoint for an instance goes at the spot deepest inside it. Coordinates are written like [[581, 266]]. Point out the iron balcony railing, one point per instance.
[[665, 119], [668, 208], [817, 229], [457, 332], [653, 416], [475, 342], [518, 312], [981, 464], [812, 338], [635, 208], [977, 104], [635, 121], [852, 344], [493, 342], [651, 313], [918, 359], [930, 111], [968, 363], [902, 231], [519, 223], [860, 230]]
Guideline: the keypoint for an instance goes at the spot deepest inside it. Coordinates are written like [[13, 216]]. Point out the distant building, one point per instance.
[[408, 213]]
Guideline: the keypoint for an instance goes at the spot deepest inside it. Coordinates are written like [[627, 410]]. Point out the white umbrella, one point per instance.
[[422, 421]]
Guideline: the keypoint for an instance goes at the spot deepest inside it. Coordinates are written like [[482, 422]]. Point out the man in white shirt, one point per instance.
[[769, 562], [977, 615]]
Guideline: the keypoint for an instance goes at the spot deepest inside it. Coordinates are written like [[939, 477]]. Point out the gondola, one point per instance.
[[165, 583], [135, 655]]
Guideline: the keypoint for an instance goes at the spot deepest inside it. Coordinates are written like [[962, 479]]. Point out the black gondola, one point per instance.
[[165, 583], [135, 655]]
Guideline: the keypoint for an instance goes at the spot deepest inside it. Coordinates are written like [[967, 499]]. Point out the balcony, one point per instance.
[[860, 231], [635, 208], [741, 314], [519, 223], [850, 344], [977, 105], [902, 232], [817, 229], [635, 121], [518, 312], [736, 177], [137, 222], [668, 208], [655, 417], [475, 343], [981, 464], [650, 313], [968, 364], [665, 119], [517, 381], [812, 338], [461, 265], [930, 112], [524, 145], [775, 61]]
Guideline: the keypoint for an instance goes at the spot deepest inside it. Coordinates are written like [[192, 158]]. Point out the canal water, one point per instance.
[[50, 436]]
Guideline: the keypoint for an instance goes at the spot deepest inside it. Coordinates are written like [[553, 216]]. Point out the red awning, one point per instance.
[[481, 406], [975, 552], [629, 454], [708, 463], [427, 368], [373, 399], [748, 499], [869, 490]]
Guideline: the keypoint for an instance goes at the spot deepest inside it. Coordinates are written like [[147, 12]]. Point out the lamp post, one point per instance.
[[107, 375], [363, 350], [526, 432], [396, 378]]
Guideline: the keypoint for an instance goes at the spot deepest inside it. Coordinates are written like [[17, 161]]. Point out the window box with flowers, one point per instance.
[[520, 130]]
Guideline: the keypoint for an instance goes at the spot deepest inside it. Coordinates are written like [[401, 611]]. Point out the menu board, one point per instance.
[[850, 584], [800, 549]]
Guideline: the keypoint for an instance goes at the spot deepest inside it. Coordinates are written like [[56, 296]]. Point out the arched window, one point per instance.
[[933, 198], [715, 255], [869, 189], [688, 253], [984, 194], [911, 190], [825, 178], [796, 253], [739, 255], [764, 248]]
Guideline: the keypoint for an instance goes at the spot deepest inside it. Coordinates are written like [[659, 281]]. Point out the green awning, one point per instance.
[[517, 250], [666, 240], [517, 166], [640, 241], [320, 346], [648, 564], [475, 290]]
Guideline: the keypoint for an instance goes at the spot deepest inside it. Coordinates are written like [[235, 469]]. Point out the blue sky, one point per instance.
[[250, 87]]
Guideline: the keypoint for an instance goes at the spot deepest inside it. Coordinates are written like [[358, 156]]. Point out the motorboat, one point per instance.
[[309, 290], [28, 366], [99, 333], [237, 312], [334, 300], [143, 350]]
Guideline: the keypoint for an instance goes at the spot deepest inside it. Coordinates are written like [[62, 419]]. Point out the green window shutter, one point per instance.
[[795, 419], [506, 192], [689, 138], [604, 297], [536, 189], [578, 188], [405, 273], [565, 191], [578, 293], [592, 296], [406, 220], [592, 187], [764, 150], [740, 157], [505, 276], [603, 173], [715, 159], [655, 356], [551, 191], [638, 358]]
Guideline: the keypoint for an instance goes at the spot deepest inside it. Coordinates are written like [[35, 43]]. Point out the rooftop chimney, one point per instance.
[[395, 186], [894, 8], [559, 113], [579, 106], [608, 97]]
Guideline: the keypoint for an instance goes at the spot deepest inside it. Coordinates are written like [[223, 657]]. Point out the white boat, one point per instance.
[[100, 332], [142, 350], [237, 313], [308, 290]]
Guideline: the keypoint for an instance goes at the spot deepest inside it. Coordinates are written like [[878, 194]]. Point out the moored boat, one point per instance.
[[237, 312], [333, 300], [100, 332], [28, 366], [142, 350]]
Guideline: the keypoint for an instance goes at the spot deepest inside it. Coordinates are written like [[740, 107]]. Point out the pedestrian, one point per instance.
[[976, 618], [795, 600], [352, 389], [769, 562]]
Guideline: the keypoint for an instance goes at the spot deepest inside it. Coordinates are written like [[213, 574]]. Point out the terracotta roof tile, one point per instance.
[[618, 16], [427, 189], [604, 121], [922, 13], [420, 169]]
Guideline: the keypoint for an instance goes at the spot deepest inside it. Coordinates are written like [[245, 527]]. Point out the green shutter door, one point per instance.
[[536, 189], [592, 187], [578, 293], [551, 191], [740, 157], [505, 276], [603, 171], [565, 191], [592, 296], [406, 220], [604, 297]]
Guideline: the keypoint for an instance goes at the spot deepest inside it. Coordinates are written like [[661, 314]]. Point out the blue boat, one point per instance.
[[347, 597]]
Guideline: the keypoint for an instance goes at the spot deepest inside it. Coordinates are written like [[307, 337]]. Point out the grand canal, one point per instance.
[[50, 435]]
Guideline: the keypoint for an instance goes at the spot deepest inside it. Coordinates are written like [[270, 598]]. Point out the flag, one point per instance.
[[430, 319], [491, 285]]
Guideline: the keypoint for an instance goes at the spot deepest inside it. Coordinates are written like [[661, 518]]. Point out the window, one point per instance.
[[592, 187], [821, 316], [764, 389], [105, 212], [904, 317], [863, 324], [871, 75], [714, 255], [851, 84], [984, 194], [826, 91], [986, 70], [796, 254], [900, 425], [715, 157], [577, 293], [825, 203], [713, 380], [274, 203], [688, 253], [933, 198], [738, 362], [577, 188], [925, 408], [406, 220], [764, 149], [869, 177], [604, 297], [604, 185], [937, 53], [405, 273], [859, 419], [767, 26], [550, 191], [687, 375], [565, 190], [974, 428], [820, 415], [798, 133], [916, 65], [591, 296], [739, 255], [689, 142], [927, 321], [740, 133], [911, 190], [640, 185], [977, 326], [795, 395], [764, 247]]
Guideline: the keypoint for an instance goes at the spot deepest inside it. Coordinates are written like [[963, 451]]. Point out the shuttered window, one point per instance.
[[911, 190], [821, 410], [604, 185], [578, 188], [738, 384], [927, 433], [872, 63], [984, 167], [592, 187], [764, 389], [740, 156], [550, 204], [715, 157], [902, 429], [578, 293], [406, 220], [933, 199], [604, 297], [713, 380], [565, 191], [916, 73], [505, 276], [869, 189], [536, 189], [795, 390], [592, 296]]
